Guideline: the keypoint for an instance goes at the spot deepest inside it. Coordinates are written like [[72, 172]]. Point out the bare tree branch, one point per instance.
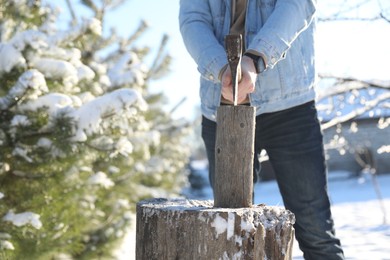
[[384, 17], [357, 112], [385, 84], [349, 10]]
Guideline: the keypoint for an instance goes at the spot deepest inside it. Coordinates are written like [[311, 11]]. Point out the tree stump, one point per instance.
[[191, 229]]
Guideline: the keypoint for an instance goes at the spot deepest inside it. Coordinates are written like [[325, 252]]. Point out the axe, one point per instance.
[[234, 149]]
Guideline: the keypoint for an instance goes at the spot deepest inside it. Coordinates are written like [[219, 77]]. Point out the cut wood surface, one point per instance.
[[191, 229], [234, 151]]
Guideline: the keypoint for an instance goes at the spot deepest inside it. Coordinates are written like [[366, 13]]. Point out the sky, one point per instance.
[[162, 17], [357, 49]]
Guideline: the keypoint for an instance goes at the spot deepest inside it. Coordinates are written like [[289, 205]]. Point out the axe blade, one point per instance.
[[233, 47]]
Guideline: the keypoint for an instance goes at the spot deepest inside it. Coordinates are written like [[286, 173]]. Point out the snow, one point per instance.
[[94, 25], [89, 116], [100, 178], [20, 120], [31, 80], [57, 69], [127, 69], [384, 149], [23, 219], [359, 220], [10, 57], [52, 102], [220, 225], [4, 244]]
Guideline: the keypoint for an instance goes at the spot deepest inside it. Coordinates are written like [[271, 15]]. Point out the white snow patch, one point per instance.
[[100, 178], [10, 57], [247, 224], [31, 80], [44, 142], [58, 69], [230, 225], [4, 244], [19, 151], [94, 25], [52, 102], [220, 224], [384, 149], [24, 218], [89, 116], [20, 120]]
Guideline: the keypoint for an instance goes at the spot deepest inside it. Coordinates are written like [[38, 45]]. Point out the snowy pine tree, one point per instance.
[[81, 137]]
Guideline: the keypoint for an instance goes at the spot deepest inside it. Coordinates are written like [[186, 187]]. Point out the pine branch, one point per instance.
[[125, 44], [161, 61], [72, 12], [181, 102], [138, 32], [90, 4], [30, 176]]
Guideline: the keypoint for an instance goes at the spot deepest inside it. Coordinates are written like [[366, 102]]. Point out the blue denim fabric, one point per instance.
[[293, 141], [281, 31]]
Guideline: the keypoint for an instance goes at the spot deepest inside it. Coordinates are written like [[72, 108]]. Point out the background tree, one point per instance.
[[345, 96], [81, 136]]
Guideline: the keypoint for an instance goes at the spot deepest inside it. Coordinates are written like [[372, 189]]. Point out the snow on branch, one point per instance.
[[10, 58], [23, 219], [89, 116], [30, 80], [88, 25], [362, 10], [357, 112], [345, 84], [45, 55], [52, 102], [127, 69]]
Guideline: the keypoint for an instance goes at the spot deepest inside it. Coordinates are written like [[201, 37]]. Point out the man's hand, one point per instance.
[[245, 86]]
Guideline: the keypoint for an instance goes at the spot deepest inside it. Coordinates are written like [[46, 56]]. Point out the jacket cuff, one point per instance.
[[222, 71], [212, 70], [270, 54], [258, 59]]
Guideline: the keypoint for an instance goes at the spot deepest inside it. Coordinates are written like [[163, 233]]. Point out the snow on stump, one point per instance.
[[191, 229]]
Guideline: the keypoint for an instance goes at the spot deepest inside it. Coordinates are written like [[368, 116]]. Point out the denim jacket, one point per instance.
[[281, 31]]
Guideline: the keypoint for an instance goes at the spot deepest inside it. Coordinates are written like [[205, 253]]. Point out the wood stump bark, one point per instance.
[[234, 152], [191, 229]]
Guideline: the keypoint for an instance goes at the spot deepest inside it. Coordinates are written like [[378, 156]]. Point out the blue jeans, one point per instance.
[[293, 141]]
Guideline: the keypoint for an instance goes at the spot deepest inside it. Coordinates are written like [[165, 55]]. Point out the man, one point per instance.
[[278, 78]]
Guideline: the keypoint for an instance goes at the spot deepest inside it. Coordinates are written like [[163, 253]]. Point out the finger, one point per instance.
[[246, 86], [227, 77], [227, 93], [241, 99]]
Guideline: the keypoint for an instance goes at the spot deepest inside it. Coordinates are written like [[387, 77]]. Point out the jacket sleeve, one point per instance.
[[196, 27], [288, 19]]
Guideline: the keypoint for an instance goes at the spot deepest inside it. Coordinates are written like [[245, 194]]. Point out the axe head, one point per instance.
[[233, 47]]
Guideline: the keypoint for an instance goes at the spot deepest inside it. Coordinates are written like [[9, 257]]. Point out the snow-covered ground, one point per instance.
[[358, 215]]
